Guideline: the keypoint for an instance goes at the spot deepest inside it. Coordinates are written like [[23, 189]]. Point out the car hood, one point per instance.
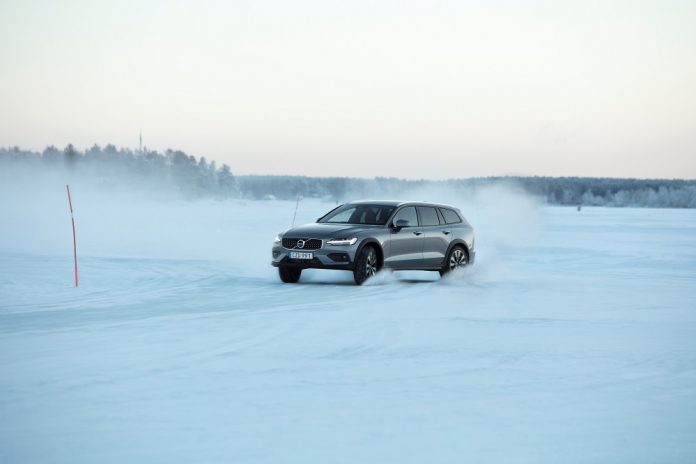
[[323, 230]]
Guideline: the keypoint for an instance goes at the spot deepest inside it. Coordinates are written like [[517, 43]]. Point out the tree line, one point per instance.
[[589, 191], [172, 171], [193, 177]]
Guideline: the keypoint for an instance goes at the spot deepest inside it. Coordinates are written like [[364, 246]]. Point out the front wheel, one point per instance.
[[366, 265], [289, 275], [456, 258]]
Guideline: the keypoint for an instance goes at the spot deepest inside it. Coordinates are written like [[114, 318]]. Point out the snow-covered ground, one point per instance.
[[572, 340]]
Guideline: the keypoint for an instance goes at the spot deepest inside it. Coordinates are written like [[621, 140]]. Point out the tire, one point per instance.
[[289, 275], [457, 257], [366, 265]]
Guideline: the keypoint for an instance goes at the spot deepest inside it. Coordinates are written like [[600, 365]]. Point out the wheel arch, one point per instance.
[[461, 243], [378, 248]]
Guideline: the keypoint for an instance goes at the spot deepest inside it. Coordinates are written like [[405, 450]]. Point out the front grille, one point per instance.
[[309, 243]]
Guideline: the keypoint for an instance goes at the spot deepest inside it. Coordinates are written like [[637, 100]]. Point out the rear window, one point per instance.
[[451, 216]]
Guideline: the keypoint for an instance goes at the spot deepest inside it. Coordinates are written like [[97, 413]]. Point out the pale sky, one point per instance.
[[416, 89]]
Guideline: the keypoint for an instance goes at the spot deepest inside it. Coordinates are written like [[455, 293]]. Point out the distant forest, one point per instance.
[[192, 177], [170, 172]]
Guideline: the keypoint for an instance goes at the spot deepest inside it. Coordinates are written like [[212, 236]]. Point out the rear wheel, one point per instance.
[[366, 265], [456, 258], [289, 275]]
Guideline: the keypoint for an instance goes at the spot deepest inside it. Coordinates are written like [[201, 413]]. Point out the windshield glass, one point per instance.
[[359, 214]]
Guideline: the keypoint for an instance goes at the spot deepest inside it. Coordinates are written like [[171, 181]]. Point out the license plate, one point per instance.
[[300, 255]]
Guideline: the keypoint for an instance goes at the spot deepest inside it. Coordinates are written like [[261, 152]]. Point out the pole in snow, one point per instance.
[[72, 218], [297, 205]]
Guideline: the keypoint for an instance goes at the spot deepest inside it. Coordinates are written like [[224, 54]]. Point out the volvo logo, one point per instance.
[[300, 244]]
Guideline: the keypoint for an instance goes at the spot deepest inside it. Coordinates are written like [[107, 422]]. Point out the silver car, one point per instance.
[[366, 236]]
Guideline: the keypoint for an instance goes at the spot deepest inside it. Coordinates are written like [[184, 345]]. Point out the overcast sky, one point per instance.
[[430, 89]]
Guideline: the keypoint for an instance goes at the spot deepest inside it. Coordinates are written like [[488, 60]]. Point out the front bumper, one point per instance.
[[326, 257]]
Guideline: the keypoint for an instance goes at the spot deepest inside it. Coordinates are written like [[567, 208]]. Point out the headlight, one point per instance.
[[342, 241], [276, 240]]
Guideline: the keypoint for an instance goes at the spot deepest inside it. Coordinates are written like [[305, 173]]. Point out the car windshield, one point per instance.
[[359, 214]]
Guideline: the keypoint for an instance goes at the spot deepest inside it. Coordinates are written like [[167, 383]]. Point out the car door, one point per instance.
[[406, 244], [436, 236]]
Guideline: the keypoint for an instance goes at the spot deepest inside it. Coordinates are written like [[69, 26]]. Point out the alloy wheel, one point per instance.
[[371, 264], [457, 259]]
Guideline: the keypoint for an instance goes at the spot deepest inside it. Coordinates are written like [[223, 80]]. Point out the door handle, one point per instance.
[[417, 233], [446, 232]]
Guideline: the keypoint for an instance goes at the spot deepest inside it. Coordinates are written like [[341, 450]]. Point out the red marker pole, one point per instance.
[[72, 218], [297, 205]]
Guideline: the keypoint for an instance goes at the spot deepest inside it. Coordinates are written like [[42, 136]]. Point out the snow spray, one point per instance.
[[297, 205], [72, 218]]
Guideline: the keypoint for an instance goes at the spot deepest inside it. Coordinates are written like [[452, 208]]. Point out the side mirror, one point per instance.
[[400, 224]]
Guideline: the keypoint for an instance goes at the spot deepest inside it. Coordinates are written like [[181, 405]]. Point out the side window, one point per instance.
[[428, 216], [451, 217], [409, 214]]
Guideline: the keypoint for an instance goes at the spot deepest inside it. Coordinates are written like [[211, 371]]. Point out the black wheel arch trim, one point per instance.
[[376, 244], [458, 242]]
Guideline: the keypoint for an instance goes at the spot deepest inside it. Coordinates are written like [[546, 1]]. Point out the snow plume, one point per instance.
[[504, 217]]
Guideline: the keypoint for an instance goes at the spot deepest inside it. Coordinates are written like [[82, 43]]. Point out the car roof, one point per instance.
[[400, 203]]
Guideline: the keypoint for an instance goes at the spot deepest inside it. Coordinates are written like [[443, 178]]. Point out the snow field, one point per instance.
[[570, 340]]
